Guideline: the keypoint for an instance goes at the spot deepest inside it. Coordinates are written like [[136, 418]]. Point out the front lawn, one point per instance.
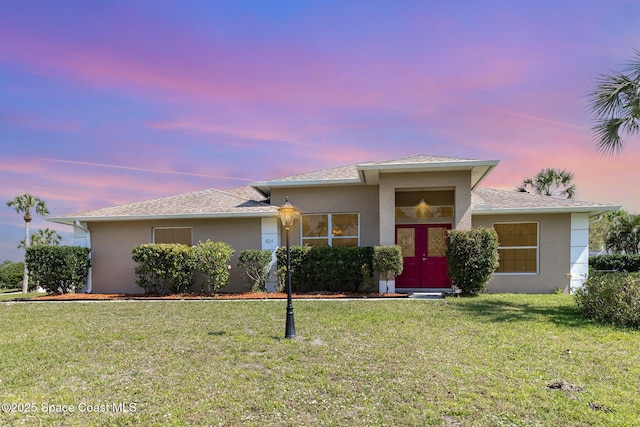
[[518, 360]]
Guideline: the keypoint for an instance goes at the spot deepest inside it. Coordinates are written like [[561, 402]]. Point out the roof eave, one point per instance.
[[462, 164], [480, 172], [591, 210], [265, 187], [479, 169], [72, 220]]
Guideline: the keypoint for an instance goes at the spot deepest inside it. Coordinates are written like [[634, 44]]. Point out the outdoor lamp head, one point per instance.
[[287, 213]]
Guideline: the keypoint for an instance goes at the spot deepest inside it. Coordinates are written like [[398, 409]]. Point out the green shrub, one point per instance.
[[472, 257], [164, 268], [326, 268], [387, 261], [296, 259], [256, 266], [612, 298], [169, 268], [58, 269], [11, 274], [212, 260], [628, 263], [368, 284]]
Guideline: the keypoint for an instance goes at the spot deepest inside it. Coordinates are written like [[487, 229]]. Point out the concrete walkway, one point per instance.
[[427, 295]]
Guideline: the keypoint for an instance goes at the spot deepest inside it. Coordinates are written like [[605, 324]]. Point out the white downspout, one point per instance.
[[87, 244]]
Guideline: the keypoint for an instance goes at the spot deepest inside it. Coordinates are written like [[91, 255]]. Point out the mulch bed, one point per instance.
[[222, 296]]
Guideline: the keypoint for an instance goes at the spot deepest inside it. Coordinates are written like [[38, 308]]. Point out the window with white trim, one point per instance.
[[518, 247], [172, 235], [331, 229]]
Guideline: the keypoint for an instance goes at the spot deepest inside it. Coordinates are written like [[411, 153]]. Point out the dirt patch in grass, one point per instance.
[[221, 296], [564, 386]]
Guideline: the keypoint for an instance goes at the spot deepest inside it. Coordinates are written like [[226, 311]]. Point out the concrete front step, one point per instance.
[[427, 295]]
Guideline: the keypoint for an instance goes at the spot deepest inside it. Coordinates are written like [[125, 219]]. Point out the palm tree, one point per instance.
[[25, 204], [615, 104], [46, 237], [550, 182]]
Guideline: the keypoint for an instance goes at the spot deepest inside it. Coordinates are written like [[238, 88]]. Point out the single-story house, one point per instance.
[[411, 202]]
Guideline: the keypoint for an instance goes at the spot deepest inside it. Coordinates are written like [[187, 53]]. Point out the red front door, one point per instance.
[[425, 265]]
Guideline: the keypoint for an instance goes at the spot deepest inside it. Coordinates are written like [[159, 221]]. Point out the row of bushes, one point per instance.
[[58, 269], [611, 298], [326, 268], [629, 263], [172, 268]]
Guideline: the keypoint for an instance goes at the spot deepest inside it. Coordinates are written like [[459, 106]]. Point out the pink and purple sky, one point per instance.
[[105, 103]]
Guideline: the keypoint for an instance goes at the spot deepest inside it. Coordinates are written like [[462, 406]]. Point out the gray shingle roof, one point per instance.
[[207, 203], [354, 174], [248, 201], [341, 173], [490, 200], [421, 159]]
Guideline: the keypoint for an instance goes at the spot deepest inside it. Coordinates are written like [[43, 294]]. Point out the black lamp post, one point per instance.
[[288, 215]]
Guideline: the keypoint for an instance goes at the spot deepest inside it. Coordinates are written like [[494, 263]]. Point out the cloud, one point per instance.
[[154, 171]]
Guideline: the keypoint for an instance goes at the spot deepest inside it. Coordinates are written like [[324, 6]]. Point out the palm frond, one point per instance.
[[615, 105]]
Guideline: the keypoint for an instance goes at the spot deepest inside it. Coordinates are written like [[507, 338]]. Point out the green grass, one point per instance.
[[482, 361]]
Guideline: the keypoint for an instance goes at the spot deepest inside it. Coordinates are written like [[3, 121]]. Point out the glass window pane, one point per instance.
[[531, 260], [421, 211], [406, 239], [404, 213], [315, 242], [180, 235], [520, 234], [315, 225], [437, 241], [344, 229], [517, 261], [349, 242], [344, 224]]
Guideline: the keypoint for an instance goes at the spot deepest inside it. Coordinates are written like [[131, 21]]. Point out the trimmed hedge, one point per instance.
[[58, 269], [619, 262], [327, 268], [170, 267], [388, 262], [164, 267], [611, 298]]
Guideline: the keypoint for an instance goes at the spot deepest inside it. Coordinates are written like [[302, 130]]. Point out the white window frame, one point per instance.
[[330, 236], [537, 248], [153, 232]]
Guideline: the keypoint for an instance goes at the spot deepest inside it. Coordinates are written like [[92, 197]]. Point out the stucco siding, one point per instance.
[[112, 242], [554, 263]]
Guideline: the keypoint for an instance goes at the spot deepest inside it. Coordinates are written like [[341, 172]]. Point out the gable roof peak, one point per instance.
[[368, 172], [421, 159]]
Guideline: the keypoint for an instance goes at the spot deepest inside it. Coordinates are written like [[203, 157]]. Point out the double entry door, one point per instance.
[[423, 246]]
